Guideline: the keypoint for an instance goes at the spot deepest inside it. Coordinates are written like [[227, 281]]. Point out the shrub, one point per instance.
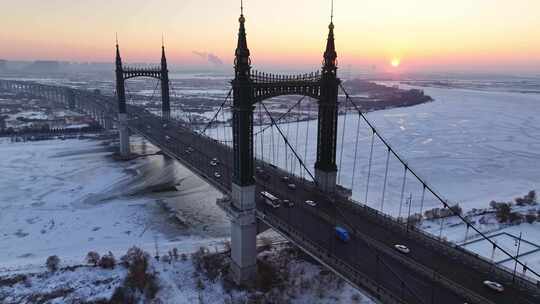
[[175, 254], [528, 199], [530, 217], [137, 263], [199, 284], [52, 263], [92, 258], [211, 264], [503, 211], [456, 209], [107, 261]]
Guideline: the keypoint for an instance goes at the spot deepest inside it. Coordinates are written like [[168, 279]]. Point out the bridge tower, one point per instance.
[[243, 224], [122, 113], [124, 73], [165, 101], [325, 166]]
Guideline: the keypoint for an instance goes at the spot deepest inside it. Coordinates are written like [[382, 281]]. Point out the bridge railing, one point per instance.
[[262, 77], [321, 254], [443, 246]]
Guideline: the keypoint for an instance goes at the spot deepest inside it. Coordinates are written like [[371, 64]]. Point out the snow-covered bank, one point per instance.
[[285, 277]]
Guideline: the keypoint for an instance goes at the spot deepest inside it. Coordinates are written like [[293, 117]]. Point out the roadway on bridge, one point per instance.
[[317, 223]]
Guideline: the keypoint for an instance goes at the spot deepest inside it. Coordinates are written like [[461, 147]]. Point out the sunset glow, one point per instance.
[[395, 62], [459, 34]]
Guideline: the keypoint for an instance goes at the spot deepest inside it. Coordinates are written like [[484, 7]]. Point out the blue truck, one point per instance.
[[342, 234]]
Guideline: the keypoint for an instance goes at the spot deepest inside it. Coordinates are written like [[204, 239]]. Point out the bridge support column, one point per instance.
[[244, 235], [124, 135], [325, 166], [244, 224]]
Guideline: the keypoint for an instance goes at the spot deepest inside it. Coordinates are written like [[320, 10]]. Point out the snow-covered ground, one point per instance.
[[69, 197], [179, 282]]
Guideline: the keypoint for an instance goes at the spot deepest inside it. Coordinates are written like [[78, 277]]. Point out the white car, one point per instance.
[[402, 248], [291, 186], [494, 286], [213, 163], [217, 175], [167, 137], [311, 203], [284, 179]]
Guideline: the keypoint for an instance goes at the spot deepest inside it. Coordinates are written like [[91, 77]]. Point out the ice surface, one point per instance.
[[69, 197]]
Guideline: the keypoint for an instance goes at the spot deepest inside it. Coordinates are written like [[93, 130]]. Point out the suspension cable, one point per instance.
[[288, 144], [429, 188], [284, 114], [385, 178], [343, 144], [216, 114], [402, 191], [355, 154], [370, 162]]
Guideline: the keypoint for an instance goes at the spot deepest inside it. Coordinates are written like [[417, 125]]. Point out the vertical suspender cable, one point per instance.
[[385, 178], [262, 134], [369, 164], [422, 200], [343, 144], [307, 136], [286, 150], [296, 140], [402, 191], [273, 146], [355, 154]]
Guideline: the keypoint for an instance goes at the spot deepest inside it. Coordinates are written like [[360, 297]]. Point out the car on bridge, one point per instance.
[[288, 203], [270, 199], [311, 203], [217, 175], [291, 186], [342, 234], [493, 286], [285, 179], [402, 248]]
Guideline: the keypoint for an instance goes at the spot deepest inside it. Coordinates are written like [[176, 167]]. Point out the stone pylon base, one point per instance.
[[123, 131], [326, 180]]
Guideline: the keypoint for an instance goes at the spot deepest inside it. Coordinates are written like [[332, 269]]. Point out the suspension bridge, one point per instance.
[[246, 149]]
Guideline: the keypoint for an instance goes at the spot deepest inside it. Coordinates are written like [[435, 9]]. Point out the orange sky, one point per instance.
[[498, 35]]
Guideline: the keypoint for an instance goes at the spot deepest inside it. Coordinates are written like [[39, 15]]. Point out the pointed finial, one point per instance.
[[332, 12], [241, 7], [116, 35], [162, 41]]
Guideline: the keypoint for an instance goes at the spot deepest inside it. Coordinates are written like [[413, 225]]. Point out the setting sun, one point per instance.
[[395, 62]]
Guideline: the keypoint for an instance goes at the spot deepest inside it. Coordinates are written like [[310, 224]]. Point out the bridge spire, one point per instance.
[[118, 58], [163, 57], [165, 99], [330, 54], [122, 115], [242, 62]]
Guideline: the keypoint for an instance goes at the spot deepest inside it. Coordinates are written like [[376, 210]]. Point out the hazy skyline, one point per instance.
[[485, 35]]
